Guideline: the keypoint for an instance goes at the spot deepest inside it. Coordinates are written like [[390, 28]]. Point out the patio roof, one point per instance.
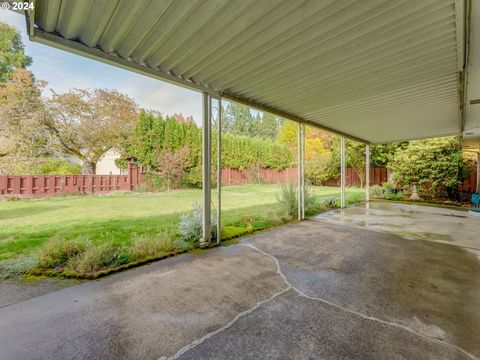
[[375, 71]]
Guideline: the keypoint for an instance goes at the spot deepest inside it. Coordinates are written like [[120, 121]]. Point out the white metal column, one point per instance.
[[206, 171], [367, 172], [342, 172], [478, 173], [301, 171], [219, 171]]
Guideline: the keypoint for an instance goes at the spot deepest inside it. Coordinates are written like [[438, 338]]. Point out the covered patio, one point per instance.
[[370, 282]]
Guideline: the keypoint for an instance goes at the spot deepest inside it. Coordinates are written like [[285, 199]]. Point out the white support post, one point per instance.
[[206, 171], [342, 172], [478, 173], [367, 173], [219, 171], [301, 171]]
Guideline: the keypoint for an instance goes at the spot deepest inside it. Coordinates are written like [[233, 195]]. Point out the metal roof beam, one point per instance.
[[111, 59]]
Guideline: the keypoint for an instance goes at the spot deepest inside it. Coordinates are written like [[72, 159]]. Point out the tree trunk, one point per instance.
[[89, 168]]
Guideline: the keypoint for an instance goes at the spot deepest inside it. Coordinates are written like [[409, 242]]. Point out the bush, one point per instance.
[[435, 165], [144, 246], [190, 227], [193, 177], [56, 252], [320, 169], [156, 182], [58, 167], [392, 196], [376, 191], [288, 198], [388, 186]]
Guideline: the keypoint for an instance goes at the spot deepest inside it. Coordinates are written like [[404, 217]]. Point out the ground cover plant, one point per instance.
[[85, 234]]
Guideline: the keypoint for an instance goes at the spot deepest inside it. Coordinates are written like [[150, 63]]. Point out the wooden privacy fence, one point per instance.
[[377, 177], [49, 185], [269, 176], [470, 183], [247, 176]]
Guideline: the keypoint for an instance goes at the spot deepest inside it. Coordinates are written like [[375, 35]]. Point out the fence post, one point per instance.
[[132, 175]]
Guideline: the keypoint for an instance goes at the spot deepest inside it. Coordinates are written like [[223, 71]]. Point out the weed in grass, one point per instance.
[[95, 258], [13, 268], [56, 252], [12, 198], [144, 246], [330, 202]]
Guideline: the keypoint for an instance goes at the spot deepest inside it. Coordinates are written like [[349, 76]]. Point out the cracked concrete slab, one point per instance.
[[294, 327], [303, 291], [432, 288], [146, 313]]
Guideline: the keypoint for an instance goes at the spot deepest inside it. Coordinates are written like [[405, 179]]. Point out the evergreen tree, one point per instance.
[[268, 127]]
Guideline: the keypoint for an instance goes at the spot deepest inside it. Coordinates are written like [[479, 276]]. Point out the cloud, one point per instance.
[[63, 70], [164, 97]]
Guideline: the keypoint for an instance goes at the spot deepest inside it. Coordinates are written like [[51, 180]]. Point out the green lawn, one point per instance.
[[25, 225]]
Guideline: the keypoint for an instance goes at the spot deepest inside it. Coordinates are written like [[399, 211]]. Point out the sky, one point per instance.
[[63, 70]]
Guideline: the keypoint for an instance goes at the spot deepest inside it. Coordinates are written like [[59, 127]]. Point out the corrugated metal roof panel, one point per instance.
[[377, 70]]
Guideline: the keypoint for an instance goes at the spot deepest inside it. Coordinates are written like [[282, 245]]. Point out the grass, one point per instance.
[[32, 229]]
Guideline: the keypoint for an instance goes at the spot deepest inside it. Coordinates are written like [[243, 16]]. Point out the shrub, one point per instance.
[[320, 169], [436, 164], [392, 196], [388, 186], [193, 177], [190, 227], [144, 245], [56, 252], [376, 191], [45, 166], [156, 182], [288, 198], [58, 167]]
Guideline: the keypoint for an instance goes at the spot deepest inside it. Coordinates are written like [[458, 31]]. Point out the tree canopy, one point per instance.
[[12, 52], [433, 164], [86, 124]]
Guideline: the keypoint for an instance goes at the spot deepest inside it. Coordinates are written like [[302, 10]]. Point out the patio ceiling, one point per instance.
[[377, 71]]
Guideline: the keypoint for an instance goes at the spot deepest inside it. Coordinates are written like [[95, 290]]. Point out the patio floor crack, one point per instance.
[[356, 313], [200, 340]]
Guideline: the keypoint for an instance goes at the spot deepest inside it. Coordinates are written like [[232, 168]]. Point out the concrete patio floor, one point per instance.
[[314, 290]]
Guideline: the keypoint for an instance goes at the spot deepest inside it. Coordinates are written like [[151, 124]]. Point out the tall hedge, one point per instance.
[[152, 134]]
